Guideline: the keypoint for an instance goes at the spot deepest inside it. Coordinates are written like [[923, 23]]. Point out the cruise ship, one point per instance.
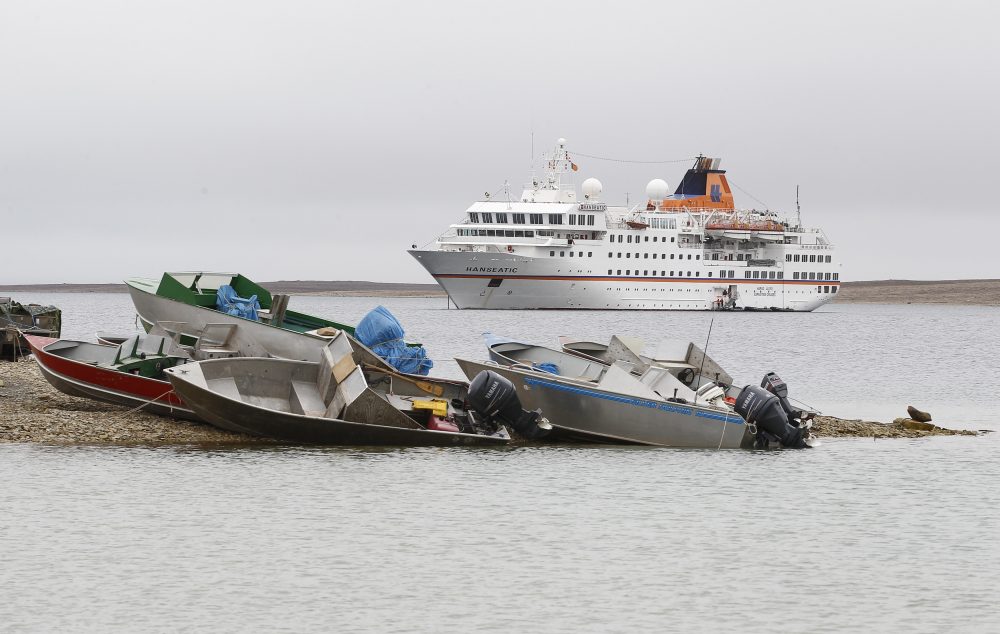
[[690, 250]]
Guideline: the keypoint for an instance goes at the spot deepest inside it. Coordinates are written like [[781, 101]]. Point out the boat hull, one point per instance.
[[251, 339], [478, 280], [110, 386], [236, 414], [584, 409], [255, 339]]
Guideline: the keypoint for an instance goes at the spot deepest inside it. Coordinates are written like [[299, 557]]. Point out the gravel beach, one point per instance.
[[31, 410]]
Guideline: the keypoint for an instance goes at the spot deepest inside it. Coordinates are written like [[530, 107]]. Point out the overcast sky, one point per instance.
[[318, 140]]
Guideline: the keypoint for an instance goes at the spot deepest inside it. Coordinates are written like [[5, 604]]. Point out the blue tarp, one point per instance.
[[551, 368], [381, 332], [227, 301]]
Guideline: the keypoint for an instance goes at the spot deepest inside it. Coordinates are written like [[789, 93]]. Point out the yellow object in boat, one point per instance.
[[437, 406]]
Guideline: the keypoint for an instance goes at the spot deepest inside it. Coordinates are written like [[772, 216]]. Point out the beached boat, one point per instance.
[[18, 319], [667, 406], [334, 401], [111, 338], [185, 304], [130, 374], [685, 358]]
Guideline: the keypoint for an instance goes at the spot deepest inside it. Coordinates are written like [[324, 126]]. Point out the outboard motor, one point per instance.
[[775, 385], [495, 398], [763, 409]]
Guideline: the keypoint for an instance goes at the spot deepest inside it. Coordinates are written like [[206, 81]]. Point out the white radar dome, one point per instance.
[[561, 142], [592, 188], [657, 189]]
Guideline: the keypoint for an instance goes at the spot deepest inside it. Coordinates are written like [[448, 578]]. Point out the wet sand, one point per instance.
[[31, 410], [325, 288]]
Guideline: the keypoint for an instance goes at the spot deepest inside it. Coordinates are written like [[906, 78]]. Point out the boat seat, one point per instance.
[[664, 383], [710, 391], [153, 344], [336, 363], [225, 386], [619, 379], [128, 348], [346, 392], [172, 329], [216, 341], [139, 344], [305, 399]]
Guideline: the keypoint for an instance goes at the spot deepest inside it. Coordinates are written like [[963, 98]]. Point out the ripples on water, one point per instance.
[[887, 535]]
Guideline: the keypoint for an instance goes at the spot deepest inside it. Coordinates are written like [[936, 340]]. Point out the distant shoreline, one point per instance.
[[958, 292], [322, 288]]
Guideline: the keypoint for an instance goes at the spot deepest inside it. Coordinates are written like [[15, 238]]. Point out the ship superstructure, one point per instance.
[[690, 250]]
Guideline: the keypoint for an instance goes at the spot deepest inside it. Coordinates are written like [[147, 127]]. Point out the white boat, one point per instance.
[[690, 250]]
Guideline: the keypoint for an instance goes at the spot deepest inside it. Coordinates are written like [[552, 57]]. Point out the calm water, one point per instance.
[[887, 535]]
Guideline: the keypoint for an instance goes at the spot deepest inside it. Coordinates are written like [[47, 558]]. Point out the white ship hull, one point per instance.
[[541, 283], [690, 250]]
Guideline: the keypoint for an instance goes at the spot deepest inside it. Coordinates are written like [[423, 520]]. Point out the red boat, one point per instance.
[[130, 374]]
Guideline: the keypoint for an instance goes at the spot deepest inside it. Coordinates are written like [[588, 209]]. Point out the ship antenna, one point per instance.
[[704, 353], [798, 209], [532, 152]]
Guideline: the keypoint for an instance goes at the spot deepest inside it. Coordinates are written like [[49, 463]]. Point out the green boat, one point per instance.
[[184, 305], [18, 319]]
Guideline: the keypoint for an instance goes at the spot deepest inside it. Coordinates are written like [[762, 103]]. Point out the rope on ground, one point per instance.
[[149, 402]]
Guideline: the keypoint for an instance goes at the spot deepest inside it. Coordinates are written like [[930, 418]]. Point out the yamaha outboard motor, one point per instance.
[[764, 410], [495, 398], [775, 385]]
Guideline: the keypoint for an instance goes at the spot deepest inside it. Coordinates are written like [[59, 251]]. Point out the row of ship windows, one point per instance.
[[502, 233], [611, 238], [819, 289], [780, 275], [532, 219], [646, 255], [749, 274], [731, 274], [816, 276], [812, 258], [562, 254], [723, 274], [647, 273]]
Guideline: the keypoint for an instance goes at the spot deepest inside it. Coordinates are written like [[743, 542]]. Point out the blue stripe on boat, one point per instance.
[[637, 402]]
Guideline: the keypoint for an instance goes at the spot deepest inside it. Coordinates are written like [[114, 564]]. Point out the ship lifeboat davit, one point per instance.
[[740, 230]]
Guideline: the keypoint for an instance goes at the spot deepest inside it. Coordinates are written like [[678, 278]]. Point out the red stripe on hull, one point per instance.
[[122, 382], [705, 280]]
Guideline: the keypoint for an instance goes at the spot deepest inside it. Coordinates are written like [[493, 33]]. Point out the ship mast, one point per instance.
[[798, 209]]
